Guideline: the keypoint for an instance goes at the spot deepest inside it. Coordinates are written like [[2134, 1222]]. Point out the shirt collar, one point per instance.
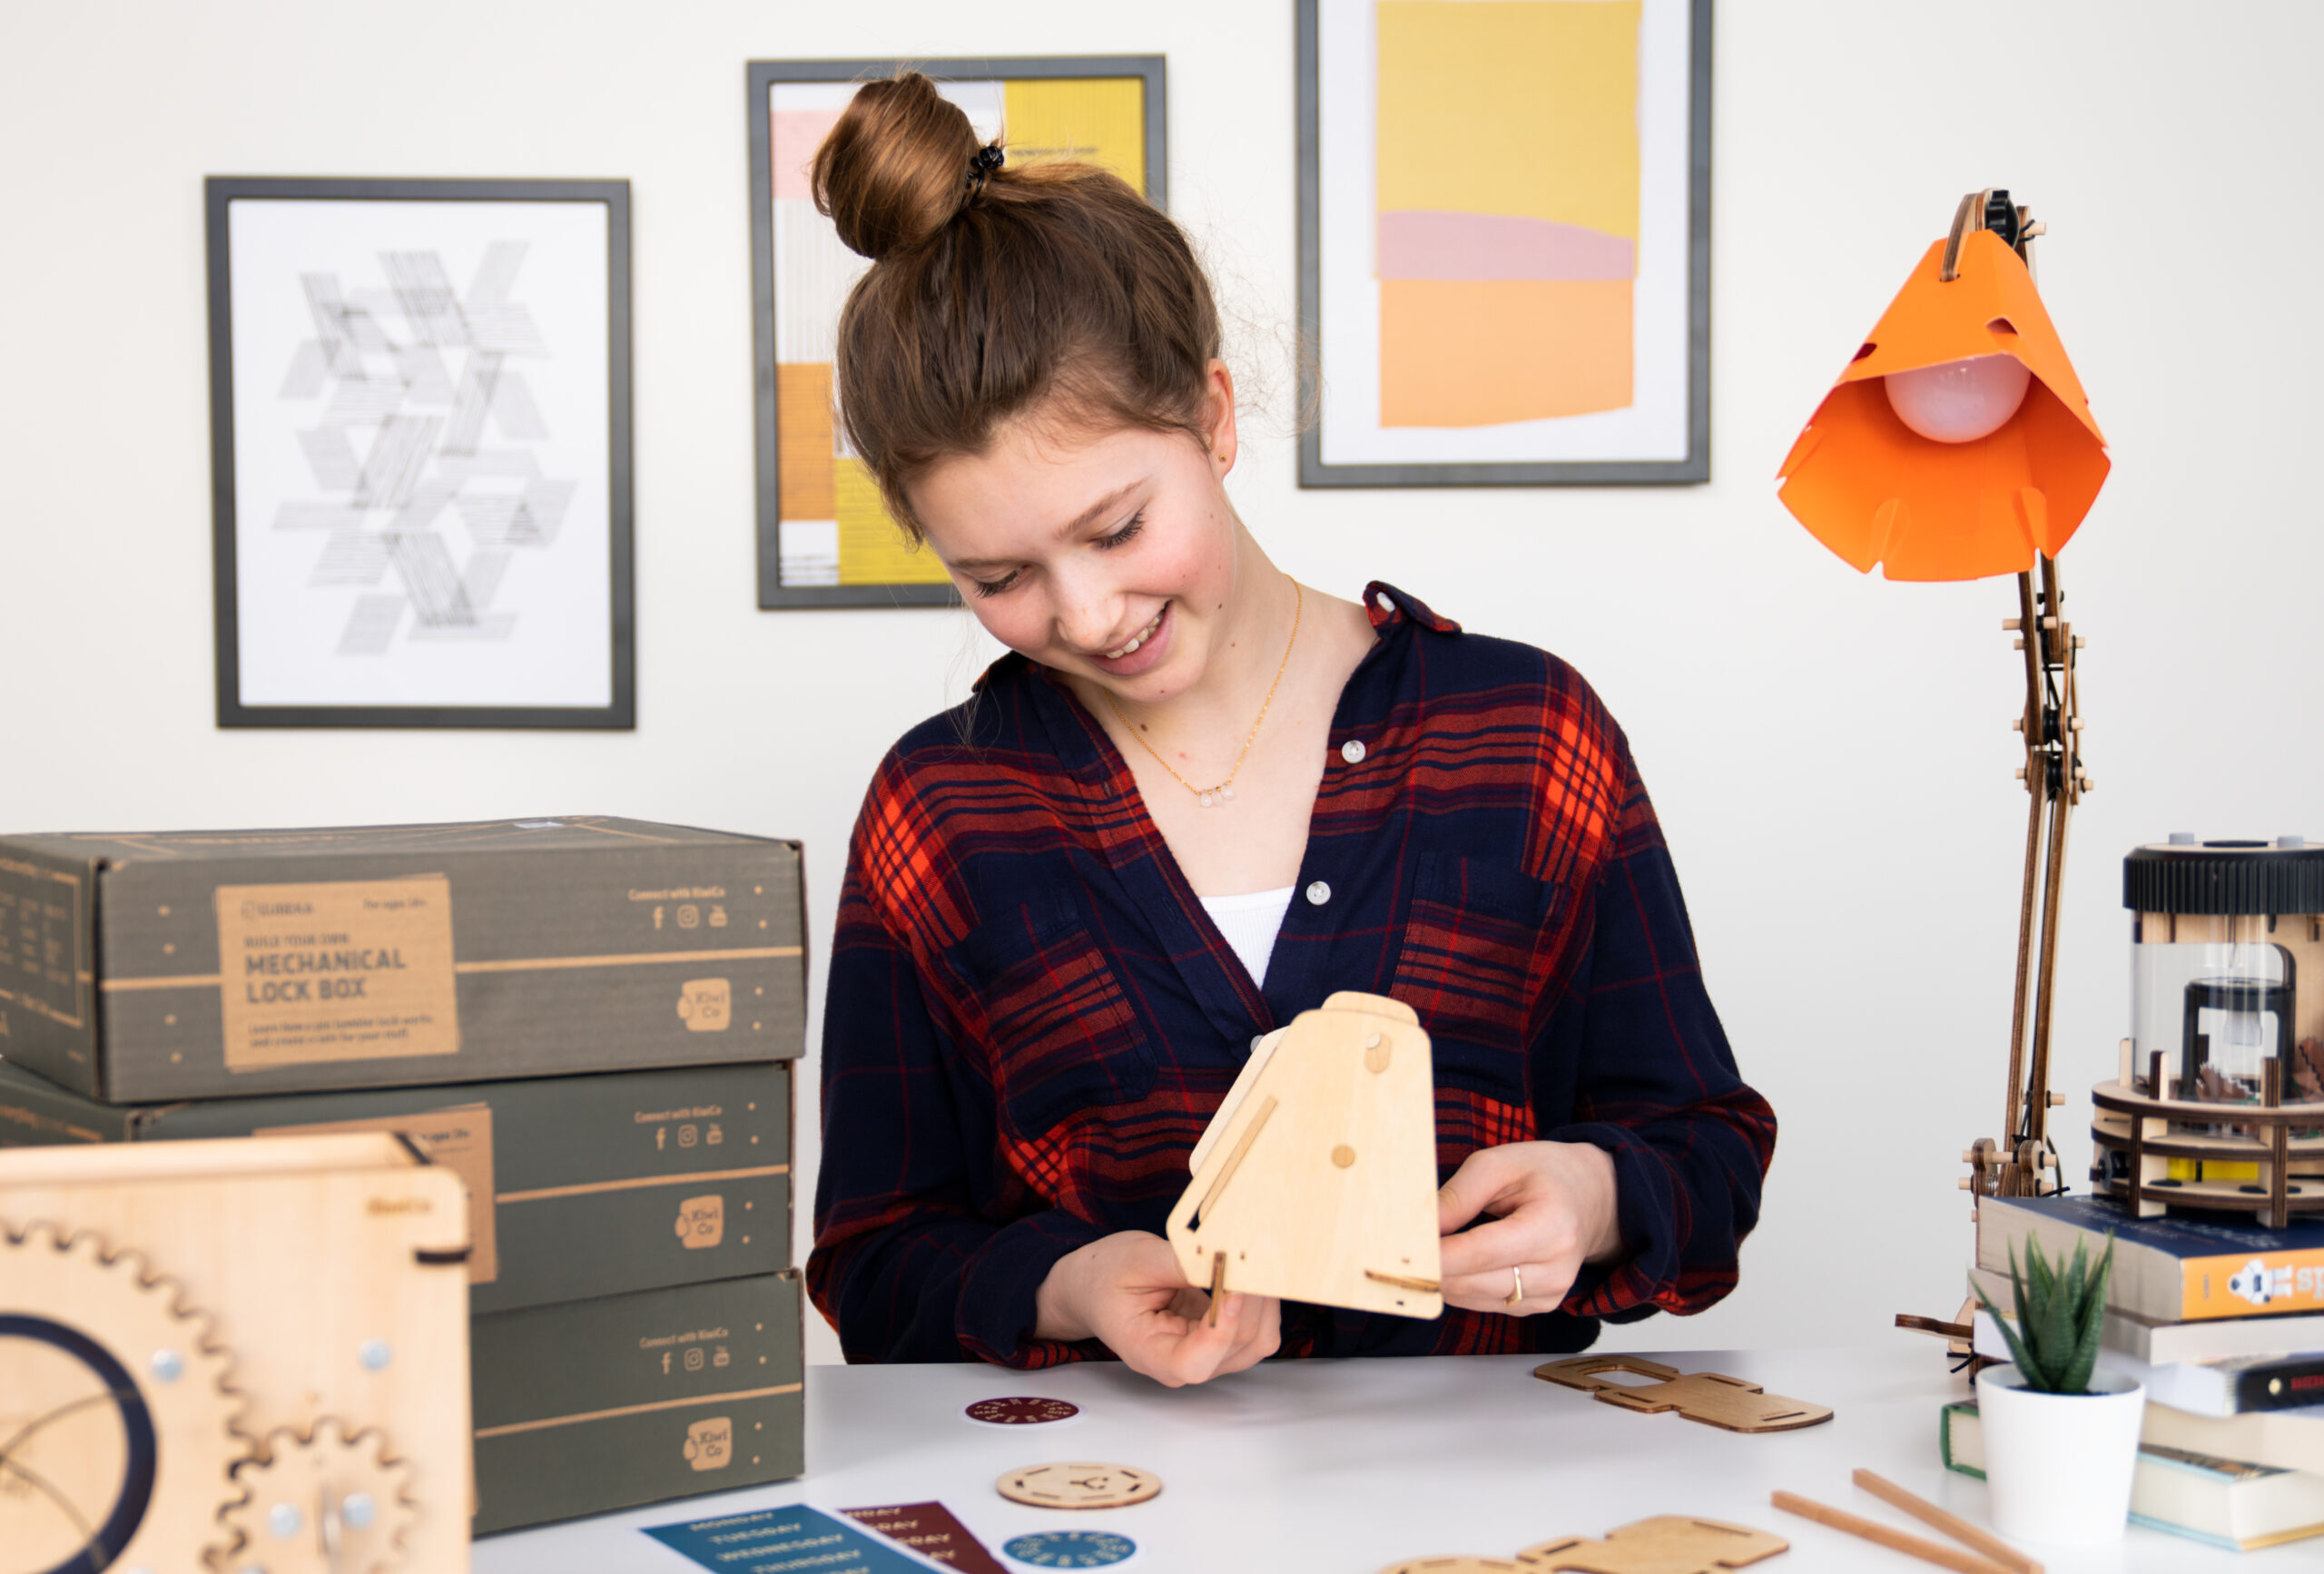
[[1386, 607]]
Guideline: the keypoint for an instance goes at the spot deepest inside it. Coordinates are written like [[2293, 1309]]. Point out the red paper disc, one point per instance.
[[1022, 1410]]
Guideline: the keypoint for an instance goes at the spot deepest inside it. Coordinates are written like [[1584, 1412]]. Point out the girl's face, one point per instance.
[[1109, 555]]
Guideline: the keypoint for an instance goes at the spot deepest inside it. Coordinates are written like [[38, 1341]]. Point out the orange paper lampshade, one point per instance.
[[1874, 490]]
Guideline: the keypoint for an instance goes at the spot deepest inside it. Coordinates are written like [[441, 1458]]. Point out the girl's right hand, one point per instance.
[[1126, 1291]]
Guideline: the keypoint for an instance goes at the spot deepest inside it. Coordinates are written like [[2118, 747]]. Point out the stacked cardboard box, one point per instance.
[[591, 1020], [2222, 1321]]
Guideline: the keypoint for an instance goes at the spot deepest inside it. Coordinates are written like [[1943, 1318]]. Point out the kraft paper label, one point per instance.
[[345, 971], [458, 1138], [710, 1444]]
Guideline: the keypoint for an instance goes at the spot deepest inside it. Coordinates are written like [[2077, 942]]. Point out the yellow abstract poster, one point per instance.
[[1507, 203], [1099, 120], [830, 530]]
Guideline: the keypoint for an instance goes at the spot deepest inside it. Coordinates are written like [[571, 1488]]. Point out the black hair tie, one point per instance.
[[987, 160]]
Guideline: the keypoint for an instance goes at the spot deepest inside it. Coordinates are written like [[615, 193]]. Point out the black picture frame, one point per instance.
[[761, 76], [1314, 375], [230, 508]]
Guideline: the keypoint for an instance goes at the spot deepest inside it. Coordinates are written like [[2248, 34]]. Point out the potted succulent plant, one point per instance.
[[2062, 1438]]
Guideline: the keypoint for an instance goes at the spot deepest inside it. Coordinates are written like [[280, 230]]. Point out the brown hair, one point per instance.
[[1052, 287]]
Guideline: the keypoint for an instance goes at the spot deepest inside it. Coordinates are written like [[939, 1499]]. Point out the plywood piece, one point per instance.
[[1079, 1485], [1317, 1181], [1666, 1544], [1710, 1397], [326, 1273]]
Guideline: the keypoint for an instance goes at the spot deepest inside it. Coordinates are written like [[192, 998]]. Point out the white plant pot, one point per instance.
[[2059, 1466]]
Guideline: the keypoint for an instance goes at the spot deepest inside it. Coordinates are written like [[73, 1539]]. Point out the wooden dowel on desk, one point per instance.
[[1894, 1541], [1953, 1525]]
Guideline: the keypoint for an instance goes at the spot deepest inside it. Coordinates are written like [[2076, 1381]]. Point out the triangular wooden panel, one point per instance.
[[1666, 1544], [1710, 1397], [1316, 1180]]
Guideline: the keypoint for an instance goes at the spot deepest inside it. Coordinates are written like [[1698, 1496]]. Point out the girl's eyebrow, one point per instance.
[[1087, 517]]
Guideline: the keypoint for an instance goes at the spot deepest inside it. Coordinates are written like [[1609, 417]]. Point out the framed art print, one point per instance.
[[824, 538], [1504, 241], [420, 452]]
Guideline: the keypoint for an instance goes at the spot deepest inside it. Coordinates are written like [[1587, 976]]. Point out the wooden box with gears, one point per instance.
[[1316, 1180], [245, 1355]]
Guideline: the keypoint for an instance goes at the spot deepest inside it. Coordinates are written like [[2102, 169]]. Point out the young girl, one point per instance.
[[1198, 799]]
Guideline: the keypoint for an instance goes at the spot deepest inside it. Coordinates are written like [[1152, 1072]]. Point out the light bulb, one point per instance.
[[1959, 401]]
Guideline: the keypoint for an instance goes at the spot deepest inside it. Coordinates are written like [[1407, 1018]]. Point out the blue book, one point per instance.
[[2179, 1268]]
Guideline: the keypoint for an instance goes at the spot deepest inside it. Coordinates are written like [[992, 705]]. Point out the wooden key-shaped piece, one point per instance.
[[1666, 1544], [1710, 1397]]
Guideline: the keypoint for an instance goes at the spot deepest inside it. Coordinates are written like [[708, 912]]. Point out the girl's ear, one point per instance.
[[1219, 417]]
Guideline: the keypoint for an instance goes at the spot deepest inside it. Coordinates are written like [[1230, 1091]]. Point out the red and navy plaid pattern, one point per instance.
[[1031, 1020]]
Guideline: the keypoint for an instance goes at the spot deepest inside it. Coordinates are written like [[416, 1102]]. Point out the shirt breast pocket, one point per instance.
[[1061, 1036], [1475, 952]]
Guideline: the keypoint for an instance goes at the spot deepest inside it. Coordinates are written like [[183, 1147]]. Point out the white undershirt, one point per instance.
[[1250, 923]]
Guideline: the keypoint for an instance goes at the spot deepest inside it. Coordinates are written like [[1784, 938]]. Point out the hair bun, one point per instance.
[[895, 169]]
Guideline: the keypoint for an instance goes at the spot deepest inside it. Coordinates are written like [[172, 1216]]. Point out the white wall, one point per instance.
[[1831, 755]]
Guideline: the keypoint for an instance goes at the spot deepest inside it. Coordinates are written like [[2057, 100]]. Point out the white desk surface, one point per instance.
[[1319, 1467]]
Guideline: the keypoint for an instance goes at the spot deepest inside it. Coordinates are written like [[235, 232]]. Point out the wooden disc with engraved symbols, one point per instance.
[[1078, 1486]]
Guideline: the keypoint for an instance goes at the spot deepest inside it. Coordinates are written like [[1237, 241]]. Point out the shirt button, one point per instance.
[[1256, 1039], [1352, 751], [1319, 893], [1386, 602]]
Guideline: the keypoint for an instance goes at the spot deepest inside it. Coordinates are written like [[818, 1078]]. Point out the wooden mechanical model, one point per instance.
[[1316, 1180], [2219, 1100], [246, 1356]]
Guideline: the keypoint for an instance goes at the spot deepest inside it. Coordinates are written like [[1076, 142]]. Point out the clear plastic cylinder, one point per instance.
[[2218, 997]]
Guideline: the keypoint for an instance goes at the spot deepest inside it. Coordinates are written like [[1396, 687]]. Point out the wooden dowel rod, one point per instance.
[[1894, 1541], [1953, 1525]]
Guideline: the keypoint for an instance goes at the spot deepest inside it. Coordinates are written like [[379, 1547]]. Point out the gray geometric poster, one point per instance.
[[421, 454]]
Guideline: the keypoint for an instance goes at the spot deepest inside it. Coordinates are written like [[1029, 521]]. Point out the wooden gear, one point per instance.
[[1710, 1397], [1666, 1544], [1316, 1180], [329, 1277]]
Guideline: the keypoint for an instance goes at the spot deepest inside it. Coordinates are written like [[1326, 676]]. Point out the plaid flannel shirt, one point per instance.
[[1030, 1018]]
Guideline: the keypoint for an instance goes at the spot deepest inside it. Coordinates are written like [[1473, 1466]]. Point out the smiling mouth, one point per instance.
[[1137, 639]]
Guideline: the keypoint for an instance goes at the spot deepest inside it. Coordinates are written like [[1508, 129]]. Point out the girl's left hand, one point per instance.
[[1552, 1209]]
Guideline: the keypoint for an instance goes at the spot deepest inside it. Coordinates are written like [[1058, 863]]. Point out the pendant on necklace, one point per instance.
[[1217, 796]]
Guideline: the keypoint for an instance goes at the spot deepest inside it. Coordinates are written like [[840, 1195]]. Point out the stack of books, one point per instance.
[[2222, 1321]]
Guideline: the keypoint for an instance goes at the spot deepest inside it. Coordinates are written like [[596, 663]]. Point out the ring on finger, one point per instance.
[[1516, 1287]]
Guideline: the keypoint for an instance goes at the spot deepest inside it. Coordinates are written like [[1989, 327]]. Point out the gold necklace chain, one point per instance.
[[1213, 796]]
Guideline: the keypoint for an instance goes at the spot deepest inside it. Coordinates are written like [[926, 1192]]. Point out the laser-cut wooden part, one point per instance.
[[307, 1283], [1316, 1180], [1666, 1544], [1710, 1397]]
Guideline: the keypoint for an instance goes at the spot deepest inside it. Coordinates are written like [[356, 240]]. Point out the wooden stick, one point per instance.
[[1953, 1525], [1895, 1540]]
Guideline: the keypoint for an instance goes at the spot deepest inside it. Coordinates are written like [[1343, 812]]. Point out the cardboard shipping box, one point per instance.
[[594, 1405], [578, 1186], [217, 964]]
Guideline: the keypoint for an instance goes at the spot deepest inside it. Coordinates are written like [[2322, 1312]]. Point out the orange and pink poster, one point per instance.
[[1504, 206]]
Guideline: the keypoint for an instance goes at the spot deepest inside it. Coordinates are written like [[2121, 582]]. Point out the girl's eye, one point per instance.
[[1121, 536], [995, 587]]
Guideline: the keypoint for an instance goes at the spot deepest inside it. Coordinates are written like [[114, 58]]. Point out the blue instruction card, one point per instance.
[[793, 1540]]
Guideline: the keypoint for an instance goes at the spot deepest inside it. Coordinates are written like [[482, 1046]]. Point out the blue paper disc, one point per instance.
[[1071, 1549]]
